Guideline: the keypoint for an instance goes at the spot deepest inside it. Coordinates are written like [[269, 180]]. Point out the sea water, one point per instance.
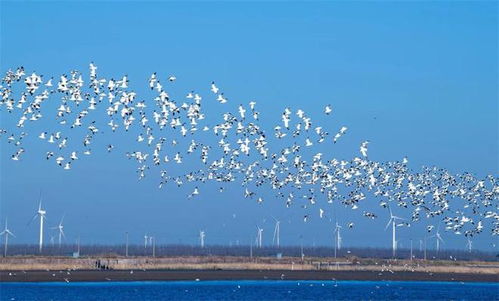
[[250, 290]]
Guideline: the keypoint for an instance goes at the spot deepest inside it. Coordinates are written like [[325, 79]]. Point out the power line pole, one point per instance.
[[126, 245], [153, 247], [301, 247], [251, 248], [425, 249], [411, 249]]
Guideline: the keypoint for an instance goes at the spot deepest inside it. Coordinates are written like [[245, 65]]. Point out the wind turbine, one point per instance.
[[259, 235], [202, 235], [61, 231], [392, 220], [469, 244], [438, 238], [276, 238], [6, 232], [41, 213], [337, 245], [145, 241]]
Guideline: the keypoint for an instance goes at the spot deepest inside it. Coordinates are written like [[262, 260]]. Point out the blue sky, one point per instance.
[[416, 79]]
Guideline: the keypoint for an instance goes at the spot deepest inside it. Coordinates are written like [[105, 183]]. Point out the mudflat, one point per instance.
[[204, 275]]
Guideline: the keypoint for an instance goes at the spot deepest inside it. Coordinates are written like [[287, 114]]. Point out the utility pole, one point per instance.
[[425, 249], [335, 242], [301, 247], [126, 245], [411, 249], [251, 248]]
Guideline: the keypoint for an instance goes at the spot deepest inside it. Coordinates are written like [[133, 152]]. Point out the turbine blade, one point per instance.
[[388, 224], [34, 217]]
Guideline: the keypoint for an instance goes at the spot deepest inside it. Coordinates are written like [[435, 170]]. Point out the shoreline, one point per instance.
[[205, 275]]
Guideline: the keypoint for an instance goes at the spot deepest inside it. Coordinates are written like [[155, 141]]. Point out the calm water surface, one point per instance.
[[250, 290]]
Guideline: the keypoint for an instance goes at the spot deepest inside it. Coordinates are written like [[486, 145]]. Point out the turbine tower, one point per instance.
[[145, 241], [259, 235], [337, 245], [438, 238], [392, 220], [469, 244], [6, 232], [276, 238], [60, 227], [202, 235], [41, 213]]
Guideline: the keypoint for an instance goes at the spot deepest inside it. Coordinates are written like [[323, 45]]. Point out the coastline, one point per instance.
[[190, 268], [205, 275]]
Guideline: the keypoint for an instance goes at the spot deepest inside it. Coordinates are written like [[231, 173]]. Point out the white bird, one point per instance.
[[221, 98], [214, 88], [363, 148], [152, 81], [17, 155], [328, 110], [340, 133], [59, 160], [194, 193]]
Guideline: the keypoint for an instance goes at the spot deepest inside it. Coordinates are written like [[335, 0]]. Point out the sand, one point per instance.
[[46, 268]]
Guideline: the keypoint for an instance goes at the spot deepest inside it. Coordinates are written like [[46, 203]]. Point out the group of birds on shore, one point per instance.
[[235, 150]]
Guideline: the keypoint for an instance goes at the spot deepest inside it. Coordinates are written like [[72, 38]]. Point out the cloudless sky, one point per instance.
[[417, 79]]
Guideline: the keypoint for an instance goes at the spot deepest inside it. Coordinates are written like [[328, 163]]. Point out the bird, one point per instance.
[[363, 148], [214, 88], [233, 148], [328, 109]]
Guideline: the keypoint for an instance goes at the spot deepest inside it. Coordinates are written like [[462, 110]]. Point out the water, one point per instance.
[[250, 290]]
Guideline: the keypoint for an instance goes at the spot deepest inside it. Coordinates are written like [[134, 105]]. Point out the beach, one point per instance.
[[35, 269]]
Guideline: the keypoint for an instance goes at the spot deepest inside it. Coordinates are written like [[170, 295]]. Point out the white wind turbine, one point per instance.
[[60, 227], [41, 213], [276, 238], [469, 244], [6, 232], [337, 237], [438, 238], [259, 235], [392, 220], [202, 235], [145, 241]]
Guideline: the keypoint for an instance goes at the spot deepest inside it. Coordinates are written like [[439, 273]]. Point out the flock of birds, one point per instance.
[[235, 150]]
